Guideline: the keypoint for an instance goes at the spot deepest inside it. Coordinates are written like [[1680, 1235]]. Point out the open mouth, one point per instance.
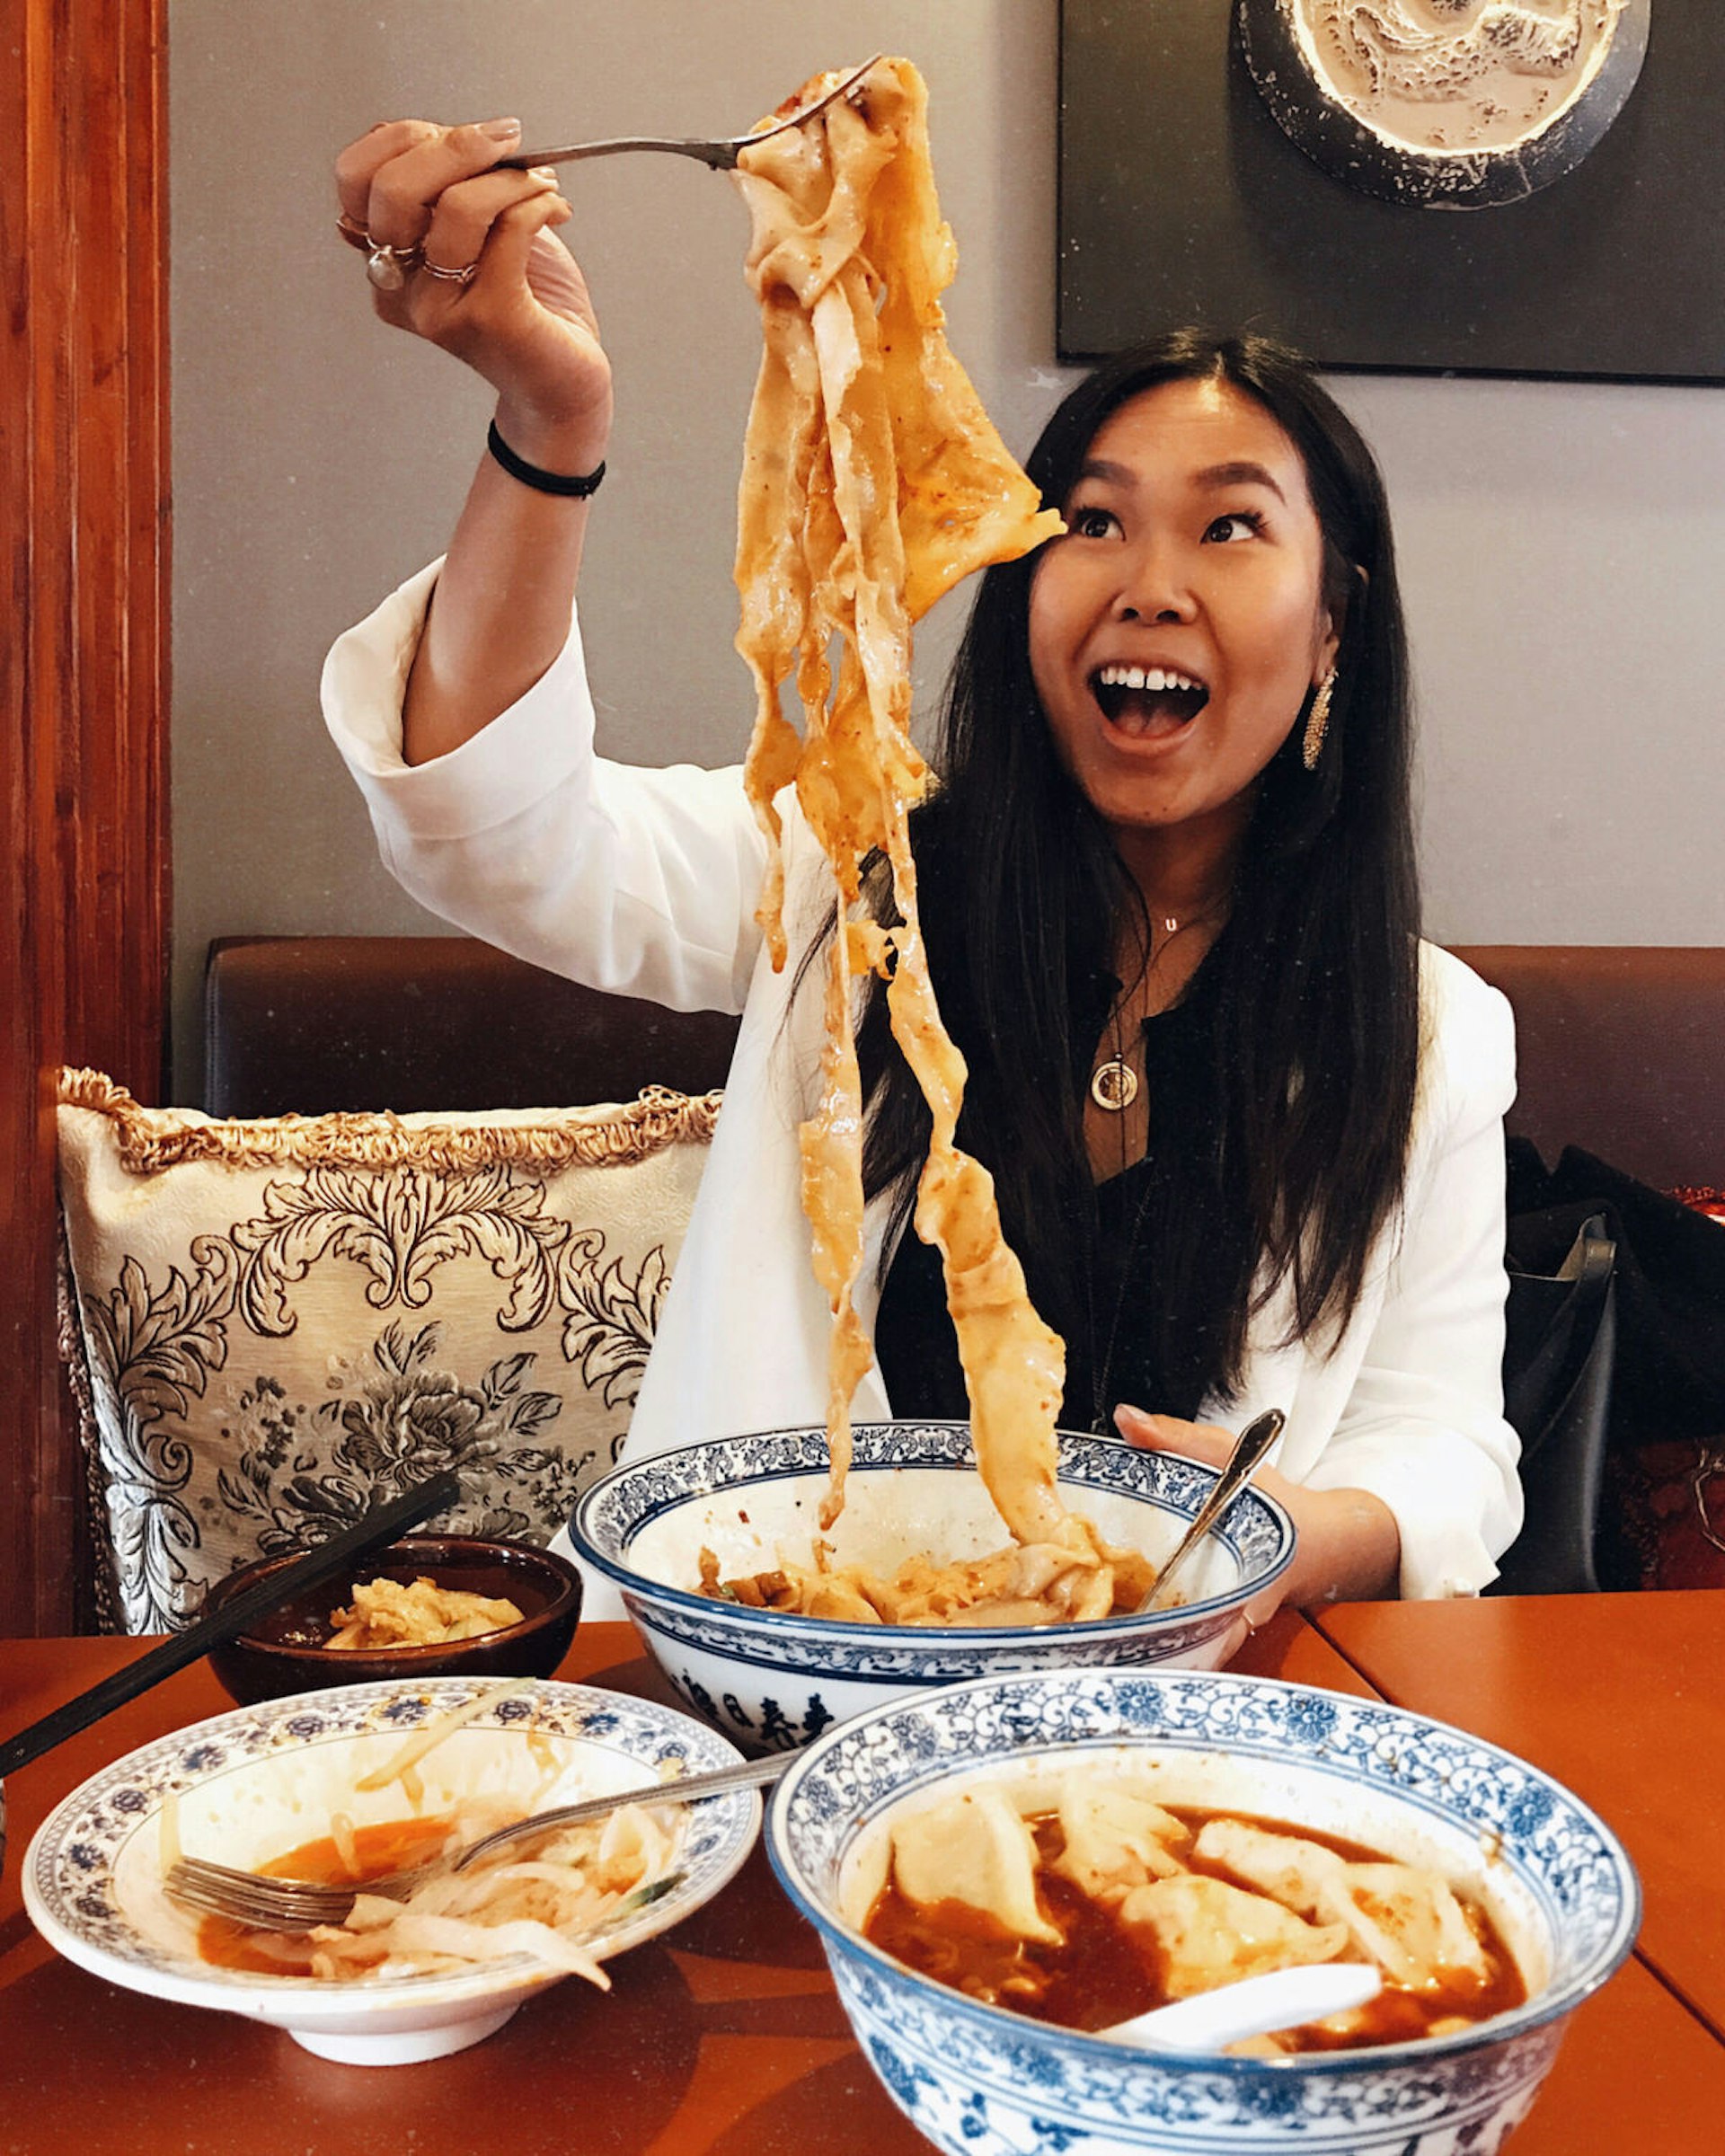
[[1147, 700]]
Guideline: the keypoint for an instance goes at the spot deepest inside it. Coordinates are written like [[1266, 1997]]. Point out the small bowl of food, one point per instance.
[[430, 1605], [343, 1785], [773, 1627], [1002, 1872]]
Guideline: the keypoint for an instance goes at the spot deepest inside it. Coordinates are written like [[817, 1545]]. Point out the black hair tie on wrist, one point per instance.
[[534, 476]]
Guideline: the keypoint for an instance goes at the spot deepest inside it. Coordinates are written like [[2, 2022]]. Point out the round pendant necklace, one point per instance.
[[1114, 1083]]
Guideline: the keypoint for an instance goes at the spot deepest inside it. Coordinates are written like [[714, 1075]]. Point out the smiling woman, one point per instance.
[[1183, 728], [1177, 629], [1244, 1129]]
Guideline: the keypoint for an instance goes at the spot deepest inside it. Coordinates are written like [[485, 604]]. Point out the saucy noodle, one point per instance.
[[873, 482]]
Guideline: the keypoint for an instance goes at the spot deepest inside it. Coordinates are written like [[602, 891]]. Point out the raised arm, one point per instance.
[[524, 321]]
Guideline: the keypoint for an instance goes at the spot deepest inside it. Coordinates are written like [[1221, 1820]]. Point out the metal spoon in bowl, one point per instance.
[[1252, 2007], [1255, 1441]]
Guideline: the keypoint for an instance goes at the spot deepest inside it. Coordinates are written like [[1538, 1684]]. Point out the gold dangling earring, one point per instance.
[[1317, 721]]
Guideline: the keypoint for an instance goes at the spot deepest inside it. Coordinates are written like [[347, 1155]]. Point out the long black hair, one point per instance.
[[1312, 986]]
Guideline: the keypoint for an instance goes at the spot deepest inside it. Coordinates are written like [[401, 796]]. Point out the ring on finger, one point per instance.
[[389, 268], [464, 276], [354, 232]]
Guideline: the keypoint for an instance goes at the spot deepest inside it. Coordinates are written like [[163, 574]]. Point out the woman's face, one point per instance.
[[1177, 627]]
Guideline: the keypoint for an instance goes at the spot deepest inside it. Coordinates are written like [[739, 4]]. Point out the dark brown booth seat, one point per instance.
[[1620, 1050], [311, 1024]]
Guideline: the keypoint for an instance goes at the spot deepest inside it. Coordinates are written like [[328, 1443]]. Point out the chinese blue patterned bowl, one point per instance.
[[770, 1680], [978, 2080], [254, 1784]]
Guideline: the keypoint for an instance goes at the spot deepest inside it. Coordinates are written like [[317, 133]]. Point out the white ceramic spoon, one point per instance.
[[1253, 2007]]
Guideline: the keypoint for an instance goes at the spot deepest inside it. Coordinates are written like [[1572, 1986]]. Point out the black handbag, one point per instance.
[[1560, 1351], [1667, 1381]]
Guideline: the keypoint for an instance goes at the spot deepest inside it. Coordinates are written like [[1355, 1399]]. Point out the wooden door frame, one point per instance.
[[83, 675]]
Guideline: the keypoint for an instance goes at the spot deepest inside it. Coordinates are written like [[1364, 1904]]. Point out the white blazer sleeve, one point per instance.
[[642, 882], [1423, 1428]]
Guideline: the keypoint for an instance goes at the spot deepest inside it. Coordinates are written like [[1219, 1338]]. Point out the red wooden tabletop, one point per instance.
[[721, 2038], [1621, 1697]]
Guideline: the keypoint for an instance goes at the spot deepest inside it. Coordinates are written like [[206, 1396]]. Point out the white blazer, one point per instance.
[[644, 882]]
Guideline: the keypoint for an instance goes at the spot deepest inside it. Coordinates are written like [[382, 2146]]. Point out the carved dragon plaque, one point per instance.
[[1445, 105]]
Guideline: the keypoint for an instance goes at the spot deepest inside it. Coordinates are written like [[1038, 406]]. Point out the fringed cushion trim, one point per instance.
[[150, 1140]]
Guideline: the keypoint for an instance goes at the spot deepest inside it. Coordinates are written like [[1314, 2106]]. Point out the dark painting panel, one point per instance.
[[1182, 200]]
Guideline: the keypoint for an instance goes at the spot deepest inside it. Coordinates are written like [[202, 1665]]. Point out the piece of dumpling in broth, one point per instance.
[[1116, 1840], [1409, 1919], [1206, 1933], [978, 1850], [1403, 1916]]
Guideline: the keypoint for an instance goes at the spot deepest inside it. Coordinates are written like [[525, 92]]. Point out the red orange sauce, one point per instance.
[[390, 1845], [1101, 1973]]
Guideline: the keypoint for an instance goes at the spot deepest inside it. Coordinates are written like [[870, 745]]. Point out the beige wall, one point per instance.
[[1562, 543]]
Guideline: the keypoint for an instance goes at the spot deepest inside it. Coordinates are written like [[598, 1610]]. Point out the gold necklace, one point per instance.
[[1114, 1083]]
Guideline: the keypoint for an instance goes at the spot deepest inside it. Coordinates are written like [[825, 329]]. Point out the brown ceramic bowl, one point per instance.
[[284, 1653]]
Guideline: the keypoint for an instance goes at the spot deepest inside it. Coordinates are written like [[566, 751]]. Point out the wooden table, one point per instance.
[[1621, 1697], [725, 2037]]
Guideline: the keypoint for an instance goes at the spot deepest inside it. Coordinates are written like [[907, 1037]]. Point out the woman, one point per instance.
[[1247, 1130]]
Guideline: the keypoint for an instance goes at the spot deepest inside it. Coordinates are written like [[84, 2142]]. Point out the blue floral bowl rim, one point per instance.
[[847, 1631], [1550, 2004], [732, 1833]]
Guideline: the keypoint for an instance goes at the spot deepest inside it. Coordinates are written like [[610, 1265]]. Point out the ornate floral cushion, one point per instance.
[[280, 1322]]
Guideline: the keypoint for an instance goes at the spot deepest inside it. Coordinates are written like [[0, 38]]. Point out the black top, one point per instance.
[[1178, 1207]]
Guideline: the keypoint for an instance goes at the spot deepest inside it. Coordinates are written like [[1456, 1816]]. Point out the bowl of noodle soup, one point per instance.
[[774, 1678], [1540, 1875], [248, 1788]]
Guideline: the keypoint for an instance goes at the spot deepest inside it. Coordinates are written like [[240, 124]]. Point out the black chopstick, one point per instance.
[[379, 1527]]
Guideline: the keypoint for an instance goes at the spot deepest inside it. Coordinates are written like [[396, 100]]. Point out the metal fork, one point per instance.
[[721, 153], [268, 1903]]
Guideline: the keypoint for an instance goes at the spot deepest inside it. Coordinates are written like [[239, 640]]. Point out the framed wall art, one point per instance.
[[1527, 187]]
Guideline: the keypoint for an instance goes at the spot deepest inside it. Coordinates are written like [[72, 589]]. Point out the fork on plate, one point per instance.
[[268, 1903], [721, 153]]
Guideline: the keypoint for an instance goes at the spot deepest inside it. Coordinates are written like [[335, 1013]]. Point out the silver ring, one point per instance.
[[464, 276], [389, 268]]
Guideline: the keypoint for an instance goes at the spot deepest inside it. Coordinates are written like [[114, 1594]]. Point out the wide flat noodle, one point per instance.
[[549, 1905], [873, 482], [389, 1612], [1078, 1580]]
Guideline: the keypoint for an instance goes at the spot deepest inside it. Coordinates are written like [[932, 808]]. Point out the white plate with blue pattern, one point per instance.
[[254, 1784]]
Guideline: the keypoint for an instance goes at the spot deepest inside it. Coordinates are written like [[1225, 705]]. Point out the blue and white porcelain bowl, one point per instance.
[[251, 1785], [771, 1681], [982, 2081]]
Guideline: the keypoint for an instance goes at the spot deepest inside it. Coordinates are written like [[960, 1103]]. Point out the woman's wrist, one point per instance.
[[1349, 1549], [571, 445]]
